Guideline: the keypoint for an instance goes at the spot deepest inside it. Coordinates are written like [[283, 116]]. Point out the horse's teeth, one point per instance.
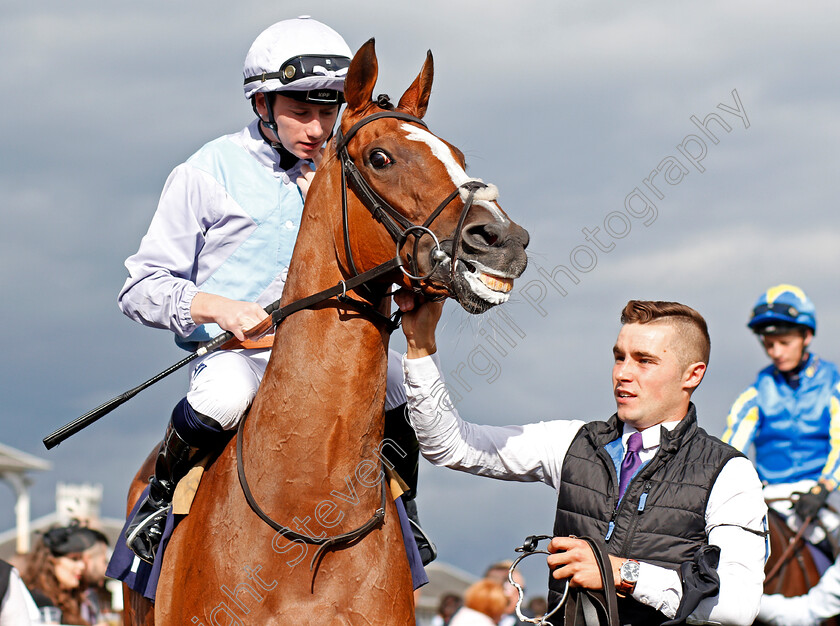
[[496, 283]]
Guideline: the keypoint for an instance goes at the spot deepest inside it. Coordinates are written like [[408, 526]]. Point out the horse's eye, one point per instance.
[[379, 159]]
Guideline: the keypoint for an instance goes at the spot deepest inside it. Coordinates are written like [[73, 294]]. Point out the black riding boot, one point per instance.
[[402, 451], [426, 547], [174, 460]]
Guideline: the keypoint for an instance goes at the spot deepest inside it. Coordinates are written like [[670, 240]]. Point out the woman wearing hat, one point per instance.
[[54, 569]]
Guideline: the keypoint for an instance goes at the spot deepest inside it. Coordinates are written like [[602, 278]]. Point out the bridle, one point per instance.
[[400, 228], [530, 548], [397, 225]]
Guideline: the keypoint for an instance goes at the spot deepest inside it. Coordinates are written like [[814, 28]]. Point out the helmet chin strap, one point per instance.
[[287, 159]]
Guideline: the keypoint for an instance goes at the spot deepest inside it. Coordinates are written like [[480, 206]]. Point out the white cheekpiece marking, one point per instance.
[[483, 197]]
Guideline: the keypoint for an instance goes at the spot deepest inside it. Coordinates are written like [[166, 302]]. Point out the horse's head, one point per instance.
[[416, 186]]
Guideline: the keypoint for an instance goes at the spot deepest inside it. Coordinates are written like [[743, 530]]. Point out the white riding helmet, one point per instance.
[[301, 56]]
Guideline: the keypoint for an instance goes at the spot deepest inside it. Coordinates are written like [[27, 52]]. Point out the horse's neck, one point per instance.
[[325, 384]]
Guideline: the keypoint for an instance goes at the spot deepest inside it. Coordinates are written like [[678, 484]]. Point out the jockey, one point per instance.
[[219, 246], [791, 414]]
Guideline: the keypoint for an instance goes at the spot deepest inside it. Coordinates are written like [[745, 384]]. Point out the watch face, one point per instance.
[[630, 571]]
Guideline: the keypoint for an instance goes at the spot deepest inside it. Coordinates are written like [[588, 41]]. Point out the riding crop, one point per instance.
[[71, 428], [277, 314]]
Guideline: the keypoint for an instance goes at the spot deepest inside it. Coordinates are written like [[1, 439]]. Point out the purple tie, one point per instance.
[[631, 462]]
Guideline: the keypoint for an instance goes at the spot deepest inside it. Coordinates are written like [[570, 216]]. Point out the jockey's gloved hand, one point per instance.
[[809, 504]]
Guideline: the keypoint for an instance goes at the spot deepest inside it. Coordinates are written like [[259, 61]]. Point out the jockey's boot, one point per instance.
[[427, 548], [175, 458], [402, 453]]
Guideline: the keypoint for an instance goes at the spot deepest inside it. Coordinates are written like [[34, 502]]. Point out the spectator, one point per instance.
[[449, 604], [499, 573], [537, 607], [484, 605], [54, 569]]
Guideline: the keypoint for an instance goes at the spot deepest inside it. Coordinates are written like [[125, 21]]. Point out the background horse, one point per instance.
[[312, 442], [791, 569]]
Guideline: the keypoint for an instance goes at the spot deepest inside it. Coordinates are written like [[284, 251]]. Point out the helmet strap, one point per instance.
[[287, 159]]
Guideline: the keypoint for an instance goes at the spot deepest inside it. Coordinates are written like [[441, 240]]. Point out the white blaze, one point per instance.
[[483, 197]]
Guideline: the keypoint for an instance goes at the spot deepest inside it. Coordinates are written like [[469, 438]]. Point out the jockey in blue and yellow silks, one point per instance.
[[791, 413], [796, 432]]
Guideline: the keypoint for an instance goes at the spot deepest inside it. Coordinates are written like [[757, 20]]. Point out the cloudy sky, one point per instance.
[[585, 115]]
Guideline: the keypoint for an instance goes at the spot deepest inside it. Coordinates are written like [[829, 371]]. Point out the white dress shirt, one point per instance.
[[535, 452], [17, 608]]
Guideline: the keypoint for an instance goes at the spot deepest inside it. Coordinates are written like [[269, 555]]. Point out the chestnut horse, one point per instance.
[[311, 445], [791, 569]]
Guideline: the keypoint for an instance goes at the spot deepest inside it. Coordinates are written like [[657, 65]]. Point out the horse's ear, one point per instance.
[[415, 100], [361, 77]]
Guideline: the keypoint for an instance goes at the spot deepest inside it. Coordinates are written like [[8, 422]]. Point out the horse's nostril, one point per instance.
[[483, 235]]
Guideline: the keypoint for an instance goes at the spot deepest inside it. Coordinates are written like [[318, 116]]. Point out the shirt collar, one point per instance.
[[267, 156], [650, 436]]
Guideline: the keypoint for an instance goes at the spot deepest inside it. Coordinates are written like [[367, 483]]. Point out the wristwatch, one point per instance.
[[629, 573]]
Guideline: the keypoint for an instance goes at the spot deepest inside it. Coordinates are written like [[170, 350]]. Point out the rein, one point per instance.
[[400, 229], [339, 291], [793, 544], [581, 607], [324, 542]]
